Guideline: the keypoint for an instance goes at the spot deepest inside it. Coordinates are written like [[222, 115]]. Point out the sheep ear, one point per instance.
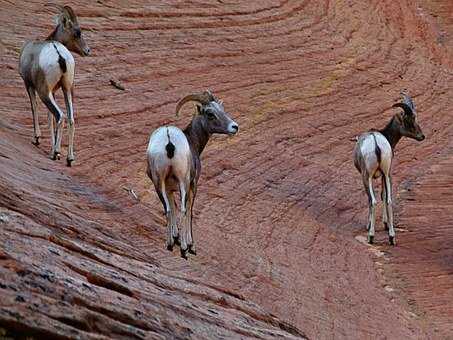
[[64, 20], [67, 23]]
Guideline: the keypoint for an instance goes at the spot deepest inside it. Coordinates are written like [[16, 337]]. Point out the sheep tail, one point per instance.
[[377, 150], [170, 147]]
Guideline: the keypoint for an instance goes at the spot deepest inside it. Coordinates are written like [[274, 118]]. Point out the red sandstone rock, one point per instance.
[[279, 206]]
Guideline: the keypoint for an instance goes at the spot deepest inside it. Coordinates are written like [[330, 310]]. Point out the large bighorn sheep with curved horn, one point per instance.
[[45, 66], [173, 163], [373, 159]]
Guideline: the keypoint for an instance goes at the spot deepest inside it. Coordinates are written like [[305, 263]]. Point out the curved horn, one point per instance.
[[202, 98], [49, 4], [407, 109], [408, 100], [69, 12]]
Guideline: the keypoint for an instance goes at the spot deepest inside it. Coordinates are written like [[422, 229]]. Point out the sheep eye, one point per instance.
[[210, 114], [410, 124]]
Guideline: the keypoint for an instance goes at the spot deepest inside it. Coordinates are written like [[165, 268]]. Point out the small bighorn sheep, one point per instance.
[[373, 159], [45, 66], [173, 163]]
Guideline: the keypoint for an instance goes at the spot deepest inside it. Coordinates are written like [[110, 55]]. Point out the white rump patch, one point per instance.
[[48, 62]]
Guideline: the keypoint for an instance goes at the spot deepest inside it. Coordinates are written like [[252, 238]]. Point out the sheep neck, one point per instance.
[[392, 132], [197, 135], [54, 35]]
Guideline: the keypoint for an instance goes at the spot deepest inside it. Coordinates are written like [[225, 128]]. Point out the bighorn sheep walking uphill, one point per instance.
[[173, 163], [373, 159], [45, 66]]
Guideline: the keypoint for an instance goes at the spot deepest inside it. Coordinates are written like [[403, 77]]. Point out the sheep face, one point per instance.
[[70, 34], [216, 120], [410, 127]]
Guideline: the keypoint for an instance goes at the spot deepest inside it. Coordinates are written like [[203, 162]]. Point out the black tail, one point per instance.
[[170, 150], [61, 60], [62, 63], [170, 147], [377, 150]]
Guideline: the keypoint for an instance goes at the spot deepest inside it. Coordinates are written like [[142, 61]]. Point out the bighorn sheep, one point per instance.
[[173, 163], [373, 159], [45, 66]]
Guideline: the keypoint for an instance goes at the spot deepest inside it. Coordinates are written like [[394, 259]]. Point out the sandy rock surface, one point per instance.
[[280, 213]]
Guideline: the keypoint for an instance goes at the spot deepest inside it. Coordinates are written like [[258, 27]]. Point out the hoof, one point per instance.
[[169, 247], [386, 226], [176, 240], [184, 254], [35, 141], [69, 162], [392, 240], [55, 156], [370, 239], [192, 250]]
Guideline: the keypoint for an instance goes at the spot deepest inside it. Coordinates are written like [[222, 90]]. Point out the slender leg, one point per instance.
[[59, 127], [162, 192], [49, 101], [184, 219], [365, 185], [36, 130], [169, 208], [50, 119], [174, 233], [184, 197], [388, 189], [71, 127], [192, 194], [59, 136], [384, 203], [368, 183]]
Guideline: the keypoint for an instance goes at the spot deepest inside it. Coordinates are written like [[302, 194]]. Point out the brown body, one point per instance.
[[373, 156], [174, 164], [45, 66]]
